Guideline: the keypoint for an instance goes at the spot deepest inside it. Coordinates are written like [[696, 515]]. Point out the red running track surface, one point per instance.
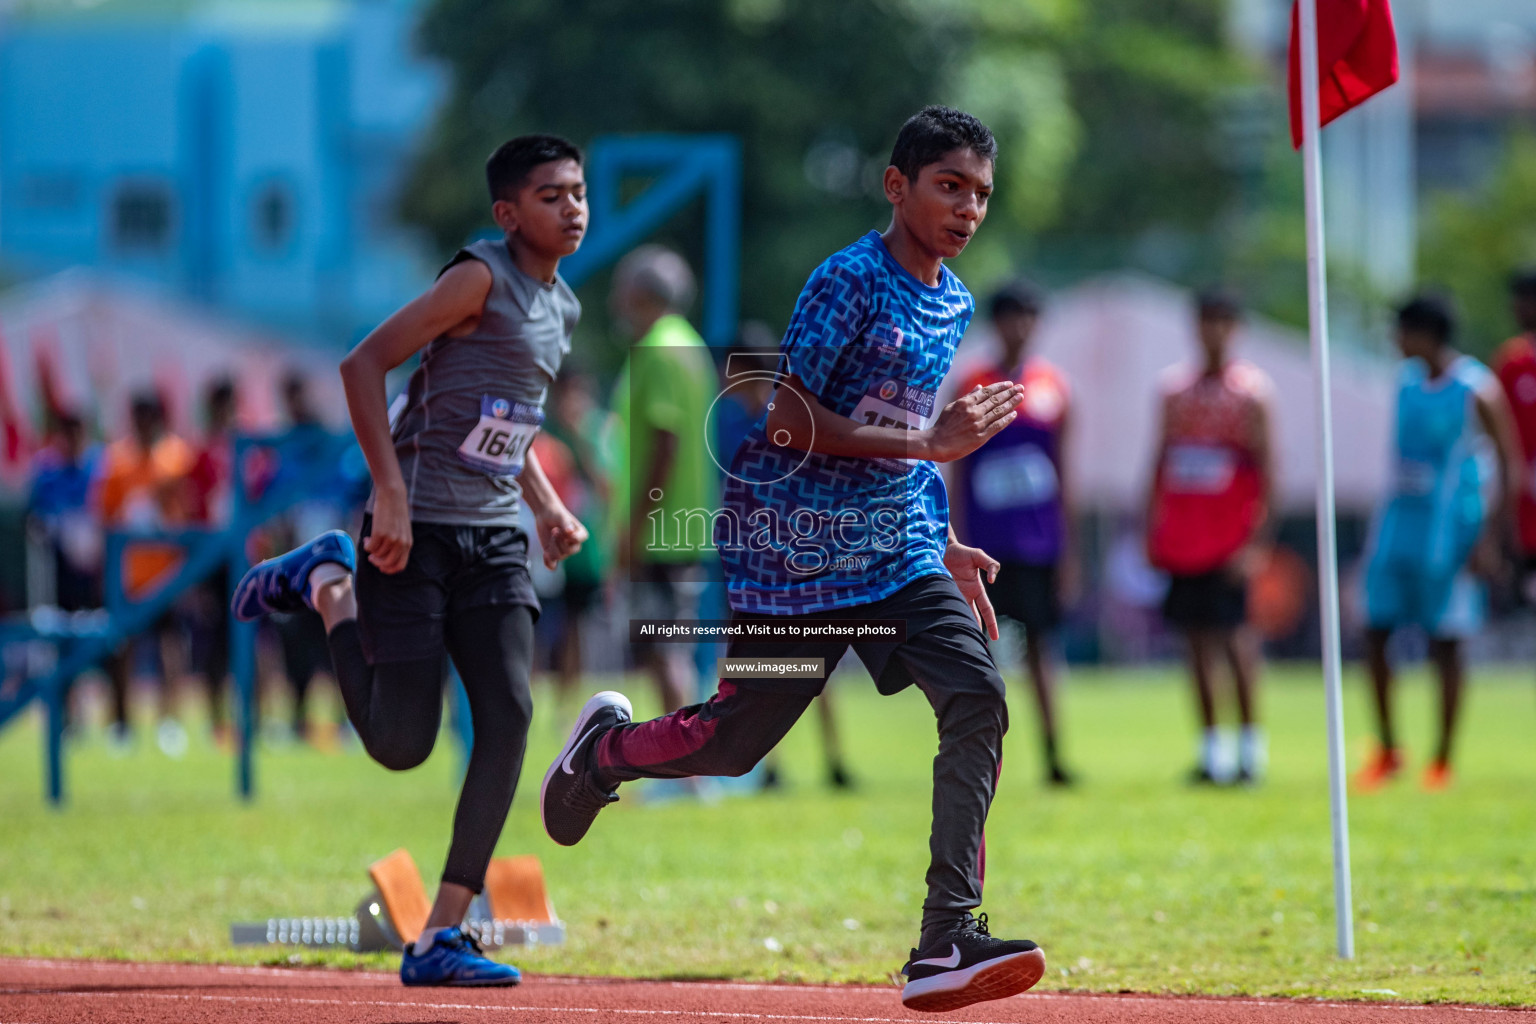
[[47, 991]]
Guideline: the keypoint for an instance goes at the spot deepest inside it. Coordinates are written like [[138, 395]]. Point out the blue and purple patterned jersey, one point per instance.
[[803, 532]]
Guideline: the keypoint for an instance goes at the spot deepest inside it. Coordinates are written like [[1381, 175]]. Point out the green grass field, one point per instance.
[[1131, 881]]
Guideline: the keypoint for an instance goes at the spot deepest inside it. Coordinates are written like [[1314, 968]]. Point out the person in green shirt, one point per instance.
[[667, 485]]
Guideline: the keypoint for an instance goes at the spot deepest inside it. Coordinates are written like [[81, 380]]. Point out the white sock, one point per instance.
[[1252, 750], [320, 575], [1210, 751], [425, 939]]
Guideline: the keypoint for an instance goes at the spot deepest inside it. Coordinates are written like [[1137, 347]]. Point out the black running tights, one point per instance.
[[396, 708]]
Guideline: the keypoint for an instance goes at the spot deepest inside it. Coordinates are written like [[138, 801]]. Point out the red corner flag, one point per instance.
[[1356, 57]]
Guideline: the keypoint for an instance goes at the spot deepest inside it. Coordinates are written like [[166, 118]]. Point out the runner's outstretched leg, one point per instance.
[[727, 735]]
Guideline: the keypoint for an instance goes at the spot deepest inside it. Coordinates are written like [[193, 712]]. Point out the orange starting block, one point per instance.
[[398, 887], [514, 909]]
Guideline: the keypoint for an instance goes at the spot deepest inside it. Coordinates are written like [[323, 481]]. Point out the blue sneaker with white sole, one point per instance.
[[281, 584], [455, 959]]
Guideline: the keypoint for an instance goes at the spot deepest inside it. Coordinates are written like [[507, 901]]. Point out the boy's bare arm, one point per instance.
[[1499, 422], [560, 533], [452, 305], [968, 566], [964, 425]]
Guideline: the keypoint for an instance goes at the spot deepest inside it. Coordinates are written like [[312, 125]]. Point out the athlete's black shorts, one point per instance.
[[1208, 600], [400, 616], [944, 649], [1027, 594]]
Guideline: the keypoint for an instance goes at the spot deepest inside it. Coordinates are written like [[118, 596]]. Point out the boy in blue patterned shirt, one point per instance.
[[834, 515]]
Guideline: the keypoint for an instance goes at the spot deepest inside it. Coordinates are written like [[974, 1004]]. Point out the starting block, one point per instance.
[[514, 910]]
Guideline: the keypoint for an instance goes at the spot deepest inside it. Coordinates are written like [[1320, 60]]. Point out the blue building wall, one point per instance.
[[243, 155]]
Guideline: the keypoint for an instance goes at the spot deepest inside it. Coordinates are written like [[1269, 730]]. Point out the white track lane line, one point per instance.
[[392, 978], [407, 1004], [1326, 1004], [136, 966]]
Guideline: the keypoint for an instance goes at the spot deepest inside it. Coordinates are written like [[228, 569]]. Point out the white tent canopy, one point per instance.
[[110, 341], [1114, 336]]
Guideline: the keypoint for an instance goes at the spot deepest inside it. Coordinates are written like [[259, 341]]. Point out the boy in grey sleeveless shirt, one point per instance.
[[447, 561]]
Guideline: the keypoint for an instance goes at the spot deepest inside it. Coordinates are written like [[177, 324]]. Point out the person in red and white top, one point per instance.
[[1207, 517], [1515, 364]]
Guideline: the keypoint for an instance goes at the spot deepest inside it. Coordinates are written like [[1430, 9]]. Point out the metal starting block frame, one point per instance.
[[514, 910]]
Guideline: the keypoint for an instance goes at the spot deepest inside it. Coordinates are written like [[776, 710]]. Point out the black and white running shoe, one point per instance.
[[968, 966], [570, 798]]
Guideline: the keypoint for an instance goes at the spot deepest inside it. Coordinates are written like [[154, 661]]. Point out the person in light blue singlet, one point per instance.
[[1437, 531]]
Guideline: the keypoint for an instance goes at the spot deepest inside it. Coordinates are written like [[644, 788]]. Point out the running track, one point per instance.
[[47, 991]]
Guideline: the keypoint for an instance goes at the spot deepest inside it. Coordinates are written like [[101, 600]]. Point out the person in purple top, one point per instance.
[[1012, 500]]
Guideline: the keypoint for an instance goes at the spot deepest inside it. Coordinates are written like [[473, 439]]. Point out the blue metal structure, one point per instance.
[[318, 462], [680, 167], [84, 642]]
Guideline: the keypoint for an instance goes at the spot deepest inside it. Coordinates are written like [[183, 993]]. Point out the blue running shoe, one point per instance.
[[455, 959], [281, 584]]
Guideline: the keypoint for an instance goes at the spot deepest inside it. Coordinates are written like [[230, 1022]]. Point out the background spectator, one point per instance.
[[667, 479], [143, 487]]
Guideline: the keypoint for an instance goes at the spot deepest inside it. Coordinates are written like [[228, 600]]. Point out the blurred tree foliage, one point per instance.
[[1107, 113], [1267, 254], [1472, 242]]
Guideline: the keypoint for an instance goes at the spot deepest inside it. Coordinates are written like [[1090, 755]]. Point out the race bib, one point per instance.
[[894, 404], [500, 441], [1199, 468], [1020, 478], [890, 403]]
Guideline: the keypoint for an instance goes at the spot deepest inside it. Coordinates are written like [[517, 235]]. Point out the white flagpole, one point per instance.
[[1327, 540]]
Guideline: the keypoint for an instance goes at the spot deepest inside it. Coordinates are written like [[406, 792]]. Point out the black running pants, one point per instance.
[[396, 708]]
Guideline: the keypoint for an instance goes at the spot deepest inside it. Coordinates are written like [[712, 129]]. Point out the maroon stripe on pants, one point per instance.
[[662, 740]]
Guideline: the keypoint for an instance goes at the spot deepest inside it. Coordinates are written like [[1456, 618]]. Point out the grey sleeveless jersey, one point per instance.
[[475, 401]]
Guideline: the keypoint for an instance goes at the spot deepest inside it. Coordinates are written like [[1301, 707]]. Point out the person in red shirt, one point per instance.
[[1515, 364], [1206, 518]]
